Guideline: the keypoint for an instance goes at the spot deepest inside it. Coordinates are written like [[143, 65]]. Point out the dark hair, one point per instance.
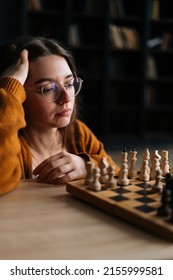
[[36, 46]]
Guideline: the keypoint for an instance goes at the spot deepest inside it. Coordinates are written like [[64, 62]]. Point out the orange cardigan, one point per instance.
[[15, 156]]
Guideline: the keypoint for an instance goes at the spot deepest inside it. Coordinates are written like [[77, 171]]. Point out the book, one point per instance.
[[73, 35], [151, 68], [120, 8], [131, 39], [150, 96], [123, 37], [156, 9], [34, 5], [115, 36], [113, 8], [91, 7], [166, 41]]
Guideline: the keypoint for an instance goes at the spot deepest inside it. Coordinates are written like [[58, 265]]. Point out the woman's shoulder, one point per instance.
[[81, 127]]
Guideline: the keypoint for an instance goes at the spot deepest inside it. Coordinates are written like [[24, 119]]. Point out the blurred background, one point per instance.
[[124, 53]]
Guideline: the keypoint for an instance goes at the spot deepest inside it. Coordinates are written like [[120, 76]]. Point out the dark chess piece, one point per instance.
[[171, 206], [169, 181], [165, 210]]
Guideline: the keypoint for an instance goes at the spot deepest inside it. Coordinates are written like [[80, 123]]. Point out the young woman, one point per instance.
[[40, 135]]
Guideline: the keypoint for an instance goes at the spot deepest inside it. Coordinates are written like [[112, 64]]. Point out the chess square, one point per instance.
[[144, 192], [120, 190], [145, 208], [145, 199], [118, 198], [143, 185]]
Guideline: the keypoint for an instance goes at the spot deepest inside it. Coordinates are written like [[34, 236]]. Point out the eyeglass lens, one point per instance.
[[52, 91]]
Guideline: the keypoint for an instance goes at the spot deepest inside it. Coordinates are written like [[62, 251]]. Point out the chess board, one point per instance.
[[136, 203]]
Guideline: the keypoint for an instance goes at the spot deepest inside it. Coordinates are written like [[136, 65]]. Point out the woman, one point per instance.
[[40, 134]]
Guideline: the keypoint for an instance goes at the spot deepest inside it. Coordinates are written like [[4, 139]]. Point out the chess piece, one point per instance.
[[144, 174], [169, 181], [89, 177], [146, 154], [171, 206], [164, 210], [145, 169], [111, 182], [155, 166], [155, 163], [124, 160], [158, 186], [96, 185], [132, 168], [123, 179], [164, 163], [103, 165]]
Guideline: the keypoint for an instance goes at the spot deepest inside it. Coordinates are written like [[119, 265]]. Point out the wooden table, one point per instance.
[[39, 221]]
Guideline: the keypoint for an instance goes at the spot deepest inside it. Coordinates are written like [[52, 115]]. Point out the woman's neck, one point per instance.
[[43, 144]]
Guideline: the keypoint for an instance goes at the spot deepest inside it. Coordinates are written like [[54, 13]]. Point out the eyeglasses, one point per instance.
[[52, 91]]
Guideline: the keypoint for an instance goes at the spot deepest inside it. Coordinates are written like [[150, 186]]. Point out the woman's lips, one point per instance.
[[64, 112]]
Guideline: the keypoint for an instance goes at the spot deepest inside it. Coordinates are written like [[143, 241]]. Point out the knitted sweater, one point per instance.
[[15, 156]]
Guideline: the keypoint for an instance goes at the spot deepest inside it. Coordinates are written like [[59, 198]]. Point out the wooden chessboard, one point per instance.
[[135, 203]]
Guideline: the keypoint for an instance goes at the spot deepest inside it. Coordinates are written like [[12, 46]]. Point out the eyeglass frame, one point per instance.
[[60, 86]]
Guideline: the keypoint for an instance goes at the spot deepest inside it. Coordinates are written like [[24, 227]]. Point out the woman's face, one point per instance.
[[39, 113]]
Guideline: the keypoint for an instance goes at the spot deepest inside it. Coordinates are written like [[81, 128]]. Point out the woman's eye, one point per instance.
[[69, 85], [47, 90]]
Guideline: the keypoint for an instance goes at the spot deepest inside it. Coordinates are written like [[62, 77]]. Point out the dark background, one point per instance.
[[130, 119]]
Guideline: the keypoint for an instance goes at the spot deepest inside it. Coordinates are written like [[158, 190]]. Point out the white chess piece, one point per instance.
[[124, 160], [154, 155], [145, 162], [164, 163], [132, 173], [89, 177], [144, 174], [123, 179], [103, 165], [111, 182], [158, 186], [155, 166], [96, 185]]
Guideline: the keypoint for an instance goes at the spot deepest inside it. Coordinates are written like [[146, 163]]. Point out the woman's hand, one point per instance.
[[19, 71], [61, 168]]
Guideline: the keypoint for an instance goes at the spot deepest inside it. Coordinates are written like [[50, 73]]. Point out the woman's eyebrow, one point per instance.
[[43, 80], [50, 79]]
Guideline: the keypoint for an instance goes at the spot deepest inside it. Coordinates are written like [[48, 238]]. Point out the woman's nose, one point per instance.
[[64, 96]]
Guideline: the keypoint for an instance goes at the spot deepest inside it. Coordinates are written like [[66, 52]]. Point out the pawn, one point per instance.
[[144, 171], [164, 210], [155, 166], [96, 185], [169, 181], [111, 182], [158, 186], [123, 179]]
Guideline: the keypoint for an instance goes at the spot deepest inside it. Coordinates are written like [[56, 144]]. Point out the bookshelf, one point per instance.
[[124, 52]]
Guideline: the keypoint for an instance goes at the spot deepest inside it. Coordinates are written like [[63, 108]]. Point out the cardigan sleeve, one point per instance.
[[90, 147], [12, 94]]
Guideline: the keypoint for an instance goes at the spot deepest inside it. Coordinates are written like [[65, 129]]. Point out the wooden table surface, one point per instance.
[[39, 221]]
